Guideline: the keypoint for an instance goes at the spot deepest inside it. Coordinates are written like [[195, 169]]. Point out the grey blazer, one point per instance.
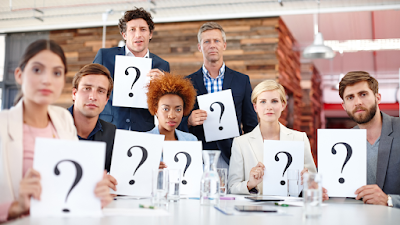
[[388, 168]]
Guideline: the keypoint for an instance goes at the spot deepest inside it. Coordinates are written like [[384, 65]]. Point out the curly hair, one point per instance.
[[171, 84], [137, 13]]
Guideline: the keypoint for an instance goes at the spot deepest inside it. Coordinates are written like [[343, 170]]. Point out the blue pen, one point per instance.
[[222, 211]]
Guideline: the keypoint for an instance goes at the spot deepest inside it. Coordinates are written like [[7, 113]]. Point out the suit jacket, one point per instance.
[[248, 150], [124, 117], [11, 152], [241, 91], [388, 166], [182, 136], [107, 135]]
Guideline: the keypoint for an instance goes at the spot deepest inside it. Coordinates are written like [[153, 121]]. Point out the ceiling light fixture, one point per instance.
[[364, 45], [318, 50]]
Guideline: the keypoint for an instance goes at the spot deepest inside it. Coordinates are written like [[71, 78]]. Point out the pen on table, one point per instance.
[[283, 205], [227, 198], [147, 206], [221, 198], [222, 211]]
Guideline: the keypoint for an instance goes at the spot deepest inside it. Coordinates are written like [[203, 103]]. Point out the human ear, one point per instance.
[[18, 75], [74, 94]]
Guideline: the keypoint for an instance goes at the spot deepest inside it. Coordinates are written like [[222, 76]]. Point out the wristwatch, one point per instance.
[[389, 201]]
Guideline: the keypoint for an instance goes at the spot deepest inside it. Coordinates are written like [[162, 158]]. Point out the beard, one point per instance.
[[363, 118]]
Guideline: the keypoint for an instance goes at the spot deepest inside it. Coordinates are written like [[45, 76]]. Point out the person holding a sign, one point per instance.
[[359, 92], [214, 76], [170, 97], [246, 169], [91, 89], [41, 74], [136, 27]]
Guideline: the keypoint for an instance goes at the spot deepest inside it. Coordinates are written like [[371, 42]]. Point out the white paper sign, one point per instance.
[[70, 171], [342, 160], [279, 157], [134, 157], [186, 156], [221, 122], [130, 80]]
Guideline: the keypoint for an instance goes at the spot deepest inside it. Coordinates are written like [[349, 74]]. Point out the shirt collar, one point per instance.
[[97, 128], [129, 53], [220, 75]]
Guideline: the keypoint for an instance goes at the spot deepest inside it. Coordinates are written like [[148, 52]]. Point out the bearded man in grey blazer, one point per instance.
[[361, 99]]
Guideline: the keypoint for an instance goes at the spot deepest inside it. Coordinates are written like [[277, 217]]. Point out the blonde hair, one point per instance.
[[268, 85]]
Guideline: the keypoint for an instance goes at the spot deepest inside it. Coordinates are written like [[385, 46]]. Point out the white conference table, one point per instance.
[[189, 211]]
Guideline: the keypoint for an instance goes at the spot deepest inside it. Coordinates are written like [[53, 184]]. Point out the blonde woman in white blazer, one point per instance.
[[41, 74], [246, 168]]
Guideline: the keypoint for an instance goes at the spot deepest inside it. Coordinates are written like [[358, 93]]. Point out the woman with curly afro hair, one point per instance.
[[170, 97]]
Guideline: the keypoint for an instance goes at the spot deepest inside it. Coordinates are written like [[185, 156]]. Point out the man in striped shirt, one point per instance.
[[214, 76]]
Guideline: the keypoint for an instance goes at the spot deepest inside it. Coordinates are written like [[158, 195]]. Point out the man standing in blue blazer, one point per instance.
[[215, 76], [136, 27]]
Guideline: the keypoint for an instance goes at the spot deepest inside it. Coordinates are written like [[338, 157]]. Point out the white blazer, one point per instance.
[[248, 150], [11, 143]]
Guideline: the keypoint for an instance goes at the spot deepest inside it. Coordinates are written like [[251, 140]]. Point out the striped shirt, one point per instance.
[[214, 84]]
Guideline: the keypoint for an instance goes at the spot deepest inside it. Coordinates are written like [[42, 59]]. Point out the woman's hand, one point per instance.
[[305, 170], [28, 187], [325, 194], [102, 190], [256, 176], [162, 165]]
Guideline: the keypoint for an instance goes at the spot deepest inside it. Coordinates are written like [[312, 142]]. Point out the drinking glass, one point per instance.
[[223, 180], [160, 187], [293, 182], [174, 184], [312, 195]]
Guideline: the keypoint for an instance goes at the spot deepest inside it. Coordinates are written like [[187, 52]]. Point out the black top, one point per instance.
[[105, 132]]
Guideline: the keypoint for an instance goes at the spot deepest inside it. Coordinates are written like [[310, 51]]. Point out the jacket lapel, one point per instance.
[[228, 77], [57, 123], [15, 146], [257, 143], [384, 149], [285, 134], [198, 80]]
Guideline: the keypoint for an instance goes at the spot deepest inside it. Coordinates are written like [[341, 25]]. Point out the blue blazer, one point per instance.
[[182, 136], [124, 117], [241, 90]]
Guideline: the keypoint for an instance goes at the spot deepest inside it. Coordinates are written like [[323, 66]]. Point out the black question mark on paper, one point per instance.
[[222, 111], [289, 161], [136, 78], [348, 156], [78, 177], [188, 162], [144, 157]]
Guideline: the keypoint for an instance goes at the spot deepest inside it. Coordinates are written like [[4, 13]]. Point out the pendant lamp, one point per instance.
[[318, 50]]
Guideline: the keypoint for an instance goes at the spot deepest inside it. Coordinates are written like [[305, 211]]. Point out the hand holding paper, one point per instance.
[[221, 121]]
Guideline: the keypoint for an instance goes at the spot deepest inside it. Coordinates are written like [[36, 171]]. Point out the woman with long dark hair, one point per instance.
[[41, 75]]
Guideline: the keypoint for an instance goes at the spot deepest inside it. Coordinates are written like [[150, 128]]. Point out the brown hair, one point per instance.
[[171, 84], [211, 26], [354, 77], [35, 48], [93, 69], [137, 13]]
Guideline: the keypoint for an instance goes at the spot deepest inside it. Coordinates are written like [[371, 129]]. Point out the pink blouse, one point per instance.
[[29, 136]]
